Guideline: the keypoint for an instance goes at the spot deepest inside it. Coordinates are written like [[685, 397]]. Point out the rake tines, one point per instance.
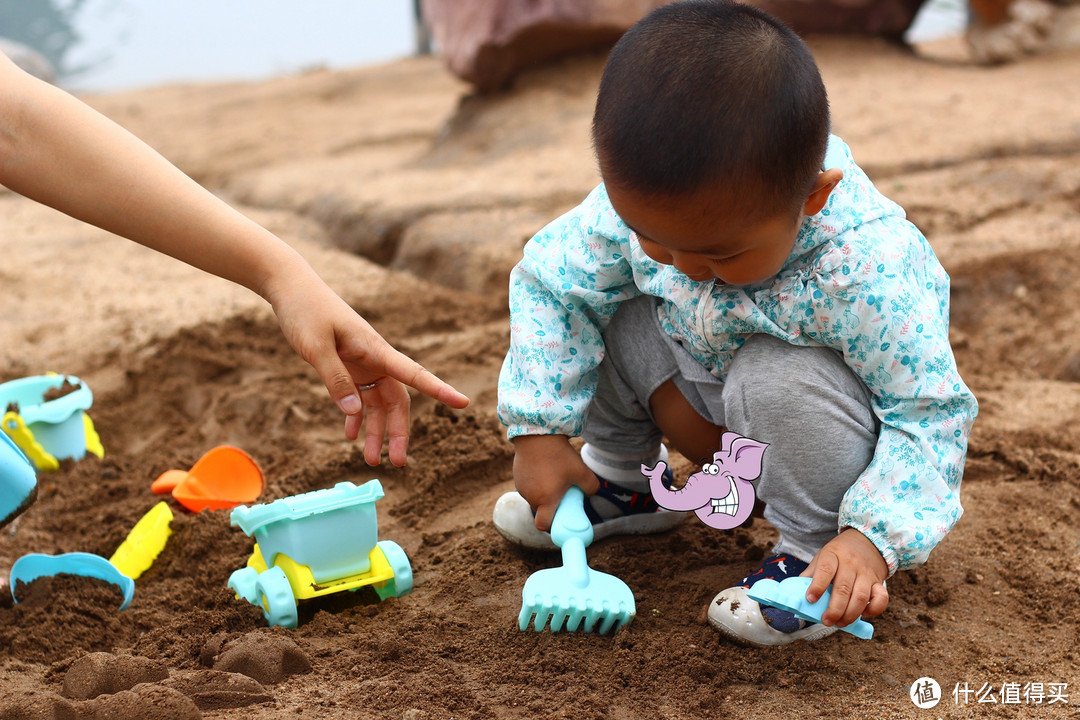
[[574, 596]]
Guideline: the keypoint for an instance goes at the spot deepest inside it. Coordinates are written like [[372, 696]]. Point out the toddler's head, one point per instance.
[[710, 128]]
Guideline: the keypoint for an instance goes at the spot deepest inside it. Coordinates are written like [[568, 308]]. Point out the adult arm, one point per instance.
[[58, 151]]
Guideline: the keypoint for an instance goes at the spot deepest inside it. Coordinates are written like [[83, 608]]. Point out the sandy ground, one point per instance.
[[413, 199]]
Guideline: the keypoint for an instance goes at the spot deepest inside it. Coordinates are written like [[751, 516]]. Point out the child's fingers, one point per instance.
[[589, 484], [879, 600], [844, 593], [857, 603], [545, 515], [822, 569]]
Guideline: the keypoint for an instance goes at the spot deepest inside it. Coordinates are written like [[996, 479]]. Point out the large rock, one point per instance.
[[887, 18], [487, 42]]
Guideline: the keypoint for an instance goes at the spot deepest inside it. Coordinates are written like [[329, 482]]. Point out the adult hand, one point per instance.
[[365, 375]]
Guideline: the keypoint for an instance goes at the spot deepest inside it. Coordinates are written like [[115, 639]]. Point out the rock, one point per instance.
[[36, 705], [266, 658], [217, 690], [886, 18], [212, 648], [1065, 34], [487, 43], [1024, 31], [469, 250], [144, 702], [102, 673]]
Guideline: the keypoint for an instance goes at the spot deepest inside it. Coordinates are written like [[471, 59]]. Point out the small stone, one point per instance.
[[266, 658], [102, 673], [217, 690], [144, 702]]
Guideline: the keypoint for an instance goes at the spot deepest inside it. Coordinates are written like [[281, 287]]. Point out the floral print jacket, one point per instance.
[[860, 279]]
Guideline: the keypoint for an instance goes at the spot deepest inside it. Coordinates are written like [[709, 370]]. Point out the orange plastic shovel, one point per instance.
[[222, 478]]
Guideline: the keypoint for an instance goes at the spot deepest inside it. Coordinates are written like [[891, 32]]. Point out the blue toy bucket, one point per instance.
[[57, 425], [18, 481]]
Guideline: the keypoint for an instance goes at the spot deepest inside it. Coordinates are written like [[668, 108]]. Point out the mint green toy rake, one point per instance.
[[574, 595]]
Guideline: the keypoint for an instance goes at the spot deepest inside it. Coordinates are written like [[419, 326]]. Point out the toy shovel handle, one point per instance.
[[168, 481], [572, 532], [570, 519]]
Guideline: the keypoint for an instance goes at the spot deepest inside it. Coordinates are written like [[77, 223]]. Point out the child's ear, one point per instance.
[[826, 181]]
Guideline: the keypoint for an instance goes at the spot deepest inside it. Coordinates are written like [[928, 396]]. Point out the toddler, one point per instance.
[[737, 270]]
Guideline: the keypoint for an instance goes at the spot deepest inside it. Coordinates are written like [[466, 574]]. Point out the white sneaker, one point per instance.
[[748, 622], [635, 513]]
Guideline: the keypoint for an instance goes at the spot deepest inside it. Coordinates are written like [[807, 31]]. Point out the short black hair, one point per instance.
[[704, 92]]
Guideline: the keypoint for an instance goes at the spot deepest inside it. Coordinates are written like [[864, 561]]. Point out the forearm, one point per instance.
[[58, 151]]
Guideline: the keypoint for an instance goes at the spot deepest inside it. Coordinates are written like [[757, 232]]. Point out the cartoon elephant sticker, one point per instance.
[[721, 494]]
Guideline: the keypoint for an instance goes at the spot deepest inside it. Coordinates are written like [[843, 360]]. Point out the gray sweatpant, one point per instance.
[[805, 402]]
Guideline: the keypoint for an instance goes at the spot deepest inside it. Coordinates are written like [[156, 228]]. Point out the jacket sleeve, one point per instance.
[[889, 317], [563, 292]]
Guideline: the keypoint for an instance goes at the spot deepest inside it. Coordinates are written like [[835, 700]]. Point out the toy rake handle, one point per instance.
[[572, 532]]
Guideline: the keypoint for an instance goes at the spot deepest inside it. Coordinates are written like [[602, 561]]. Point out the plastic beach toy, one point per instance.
[[315, 544], [30, 567], [18, 481], [134, 556], [222, 478], [145, 542], [48, 431], [790, 595], [574, 595]]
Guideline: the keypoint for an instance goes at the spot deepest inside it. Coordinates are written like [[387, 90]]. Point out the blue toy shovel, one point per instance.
[[134, 556], [18, 480], [574, 595], [30, 567], [790, 595]]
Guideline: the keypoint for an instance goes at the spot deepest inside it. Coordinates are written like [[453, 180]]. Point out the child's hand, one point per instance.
[[545, 466], [349, 354], [857, 573]]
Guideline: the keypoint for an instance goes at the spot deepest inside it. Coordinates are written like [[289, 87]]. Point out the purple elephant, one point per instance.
[[721, 494]]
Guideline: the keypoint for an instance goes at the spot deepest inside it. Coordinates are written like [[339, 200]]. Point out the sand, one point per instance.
[[413, 199]]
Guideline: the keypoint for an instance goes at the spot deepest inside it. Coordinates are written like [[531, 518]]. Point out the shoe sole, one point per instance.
[[517, 524]]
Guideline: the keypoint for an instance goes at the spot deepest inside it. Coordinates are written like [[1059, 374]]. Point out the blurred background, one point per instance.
[[107, 45]]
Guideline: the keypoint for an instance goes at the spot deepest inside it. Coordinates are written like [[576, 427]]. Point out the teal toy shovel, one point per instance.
[[790, 595], [574, 595], [30, 567]]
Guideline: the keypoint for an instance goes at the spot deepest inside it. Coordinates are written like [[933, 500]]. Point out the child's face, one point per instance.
[[704, 237]]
